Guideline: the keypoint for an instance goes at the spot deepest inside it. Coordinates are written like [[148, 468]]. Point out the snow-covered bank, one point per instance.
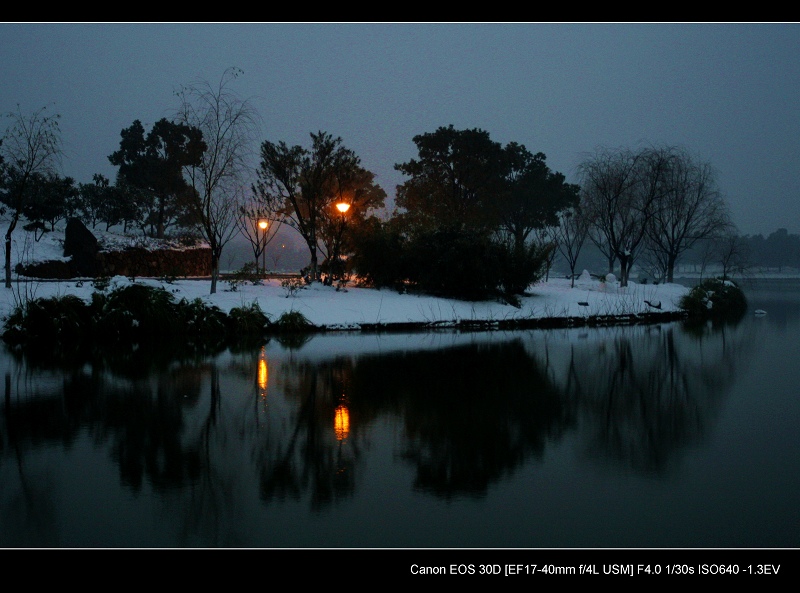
[[352, 307]]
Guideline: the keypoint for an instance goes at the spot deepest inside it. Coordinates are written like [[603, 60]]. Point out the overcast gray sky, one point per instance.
[[730, 93]]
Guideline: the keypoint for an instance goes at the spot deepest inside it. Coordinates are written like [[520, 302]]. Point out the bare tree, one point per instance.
[[259, 225], [571, 234], [689, 208], [546, 239], [622, 189], [31, 146], [229, 125], [731, 250]]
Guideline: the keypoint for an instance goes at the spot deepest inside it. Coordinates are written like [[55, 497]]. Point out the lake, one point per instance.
[[661, 436]]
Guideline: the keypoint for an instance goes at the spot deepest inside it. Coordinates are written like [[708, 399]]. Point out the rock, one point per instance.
[[82, 246]]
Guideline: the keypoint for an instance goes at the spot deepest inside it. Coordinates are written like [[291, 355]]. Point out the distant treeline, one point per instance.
[[780, 249]]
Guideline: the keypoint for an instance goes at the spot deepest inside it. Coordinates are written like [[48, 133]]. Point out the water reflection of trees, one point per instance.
[[470, 414], [489, 412], [196, 432], [320, 452], [645, 394], [140, 422]]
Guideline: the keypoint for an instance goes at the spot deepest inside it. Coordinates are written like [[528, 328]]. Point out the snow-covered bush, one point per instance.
[[715, 298]]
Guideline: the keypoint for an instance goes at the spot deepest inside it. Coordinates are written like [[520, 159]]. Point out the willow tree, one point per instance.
[[622, 190], [570, 235], [690, 208], [229, 125]]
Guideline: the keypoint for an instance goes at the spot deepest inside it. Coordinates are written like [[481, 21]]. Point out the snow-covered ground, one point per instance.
[[325, 306]]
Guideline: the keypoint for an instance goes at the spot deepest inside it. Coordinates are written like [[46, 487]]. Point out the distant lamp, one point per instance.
[[262, 224], [343, 207]]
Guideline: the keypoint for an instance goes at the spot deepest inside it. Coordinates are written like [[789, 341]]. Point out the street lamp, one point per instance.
[[263, 224], [342, 207]]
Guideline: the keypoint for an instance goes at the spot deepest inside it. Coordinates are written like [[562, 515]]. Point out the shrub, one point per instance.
[[248, 321], [715, 299], [520, 267], [293, 321], [135, 313], [293, 285], [248, 273], [201, 323], [48, 321], [452, 262]]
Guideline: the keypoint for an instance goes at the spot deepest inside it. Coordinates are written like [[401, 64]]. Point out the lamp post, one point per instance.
[[342, 207], [263, 224]]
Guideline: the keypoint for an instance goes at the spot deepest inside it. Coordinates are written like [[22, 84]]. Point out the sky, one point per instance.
[[727, 92]]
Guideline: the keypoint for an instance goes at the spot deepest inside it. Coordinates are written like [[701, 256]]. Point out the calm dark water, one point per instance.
[[660, 436]]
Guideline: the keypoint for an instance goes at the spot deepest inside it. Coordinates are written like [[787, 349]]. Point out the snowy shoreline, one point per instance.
[[548, 304], [551, 303]]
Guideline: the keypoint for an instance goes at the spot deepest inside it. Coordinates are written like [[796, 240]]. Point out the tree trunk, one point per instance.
[[670, 269], [8, 260], [215, 257], [624, 268], [313, 266], [12, 225]]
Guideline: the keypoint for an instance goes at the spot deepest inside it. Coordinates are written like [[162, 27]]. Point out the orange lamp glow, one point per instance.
[[341, 422], [263, 370]]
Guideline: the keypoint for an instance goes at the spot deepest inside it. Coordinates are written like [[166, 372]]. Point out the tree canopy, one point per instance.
[[456, 178], [464, 178], [154, 163], [304, 183], [465, 217]]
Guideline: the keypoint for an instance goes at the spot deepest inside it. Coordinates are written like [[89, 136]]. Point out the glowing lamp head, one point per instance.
[[343, 207], [262, 224]]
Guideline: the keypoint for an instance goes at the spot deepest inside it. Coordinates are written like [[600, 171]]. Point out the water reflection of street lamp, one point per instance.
[[263, 373], [263, 224], [341, 422], [262, 379]]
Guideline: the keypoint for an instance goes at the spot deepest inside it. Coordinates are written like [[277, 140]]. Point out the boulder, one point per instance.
[[81, 245]]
